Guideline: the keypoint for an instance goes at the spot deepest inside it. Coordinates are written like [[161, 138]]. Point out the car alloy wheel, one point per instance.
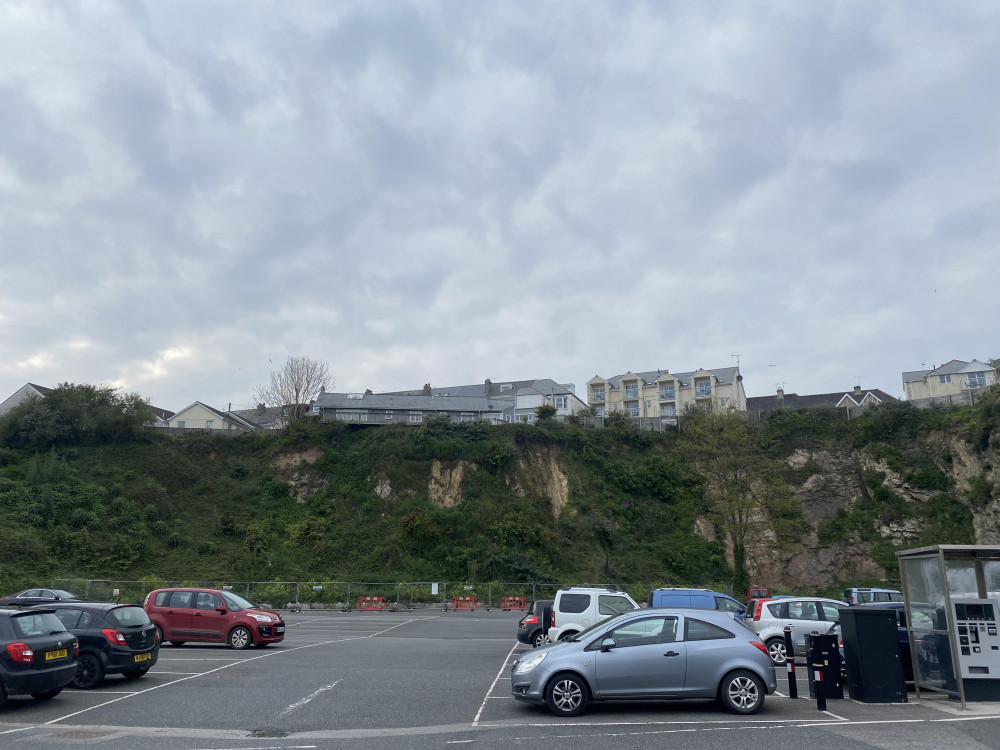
[[776, 650], [239, 638], [89, 672], [566, 695], [742, 692], [539, 639]]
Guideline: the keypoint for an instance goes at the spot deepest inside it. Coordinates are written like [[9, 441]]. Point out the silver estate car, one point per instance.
[[650, 654]]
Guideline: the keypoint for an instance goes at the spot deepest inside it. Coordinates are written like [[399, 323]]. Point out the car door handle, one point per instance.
[[197, 614], [672, 653]]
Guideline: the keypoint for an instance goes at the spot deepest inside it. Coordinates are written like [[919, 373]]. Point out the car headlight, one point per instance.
[[261, 618], [528, 664]]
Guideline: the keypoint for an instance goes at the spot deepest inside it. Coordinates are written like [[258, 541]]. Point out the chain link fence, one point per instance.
[[345, 594]]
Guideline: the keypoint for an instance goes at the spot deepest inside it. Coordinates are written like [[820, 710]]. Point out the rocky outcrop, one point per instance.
[[445, 486]]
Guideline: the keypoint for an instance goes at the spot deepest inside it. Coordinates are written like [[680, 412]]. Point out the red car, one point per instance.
[[211, 615]]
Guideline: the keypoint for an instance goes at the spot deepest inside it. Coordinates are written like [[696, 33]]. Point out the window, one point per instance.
[[802, 611], [69, 617], [207, 600], [727, 605], [209, 424], [575, 603], [977, 380], [180, 423], [130, 616], [723, 401], [944, 379], [649, 405], [561, 402], [645, 632], [697, 630], [613, 605], [831, 612], [598, 394], [181, 599], [633, 410], [388, 415], [599, 412], [351, 416], [702, 388], [416, 417], [667, 391], [26, 626], [632, 390], [668, 410]]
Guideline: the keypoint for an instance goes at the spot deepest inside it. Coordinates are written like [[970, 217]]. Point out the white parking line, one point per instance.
[[308, 698], [196, 675], [503, 667]]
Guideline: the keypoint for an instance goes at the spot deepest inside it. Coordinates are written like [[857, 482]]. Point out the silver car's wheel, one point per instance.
[[566, 695], [239, 638], [742, 692], [776, 650]]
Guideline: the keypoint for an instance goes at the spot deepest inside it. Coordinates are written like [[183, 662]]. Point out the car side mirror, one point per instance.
[[607, 644], [221, 610]]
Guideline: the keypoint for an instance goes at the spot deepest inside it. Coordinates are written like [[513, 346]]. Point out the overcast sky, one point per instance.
[[444, 192]]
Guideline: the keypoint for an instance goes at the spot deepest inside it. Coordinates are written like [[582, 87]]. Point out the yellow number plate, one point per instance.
[[60, 654], [143, 657]]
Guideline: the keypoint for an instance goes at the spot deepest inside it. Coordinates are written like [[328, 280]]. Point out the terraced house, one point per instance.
[[662, 394]]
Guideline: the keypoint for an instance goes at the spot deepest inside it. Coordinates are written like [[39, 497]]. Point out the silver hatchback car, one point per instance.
[[805, 615], [650, 654]]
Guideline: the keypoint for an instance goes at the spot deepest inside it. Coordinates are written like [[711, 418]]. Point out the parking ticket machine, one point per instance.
[[978, 657]]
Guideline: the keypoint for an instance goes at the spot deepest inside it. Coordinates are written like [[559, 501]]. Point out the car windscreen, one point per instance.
[[129, 617], [63, 594], [236, 602], [40, 623]]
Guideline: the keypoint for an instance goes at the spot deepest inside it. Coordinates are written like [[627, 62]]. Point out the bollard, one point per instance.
[[793, 687], [818, 680]]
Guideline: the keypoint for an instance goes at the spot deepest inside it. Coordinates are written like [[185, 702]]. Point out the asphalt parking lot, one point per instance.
[[427, 678]]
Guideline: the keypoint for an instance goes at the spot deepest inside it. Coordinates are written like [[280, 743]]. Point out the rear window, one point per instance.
[[45, 623], [129, 617], [613, 605], [574, 603]]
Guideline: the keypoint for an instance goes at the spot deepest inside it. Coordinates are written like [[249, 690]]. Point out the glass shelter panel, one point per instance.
[[929, 623], [961, 574], [991, 575]]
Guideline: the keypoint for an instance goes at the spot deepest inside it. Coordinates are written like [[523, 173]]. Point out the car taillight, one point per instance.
[[530, 620], [156, 634], [76, 648], [553, 622], [114, 636], [760, 647], [21, 652], [756, 611]]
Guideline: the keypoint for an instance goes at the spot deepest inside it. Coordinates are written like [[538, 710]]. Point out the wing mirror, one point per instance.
[[607, 644]]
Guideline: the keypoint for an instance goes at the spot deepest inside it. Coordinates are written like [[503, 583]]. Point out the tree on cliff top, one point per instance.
[[731, 454], [295, 384]]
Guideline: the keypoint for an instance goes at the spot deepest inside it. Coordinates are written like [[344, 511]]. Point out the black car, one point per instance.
[[37, 655], [35, 596], [114, 639], [533, 627]]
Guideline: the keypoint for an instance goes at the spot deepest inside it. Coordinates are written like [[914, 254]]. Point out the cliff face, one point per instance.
[[845, 486]]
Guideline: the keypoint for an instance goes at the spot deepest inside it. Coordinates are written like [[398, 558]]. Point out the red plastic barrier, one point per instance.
[[371, 602], [464, 602], [513, 602]]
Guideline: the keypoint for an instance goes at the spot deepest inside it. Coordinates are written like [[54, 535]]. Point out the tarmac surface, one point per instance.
[[427, 679]]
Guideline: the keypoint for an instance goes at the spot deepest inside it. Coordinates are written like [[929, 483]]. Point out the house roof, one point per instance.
[[403, 401], [496, 389], [229, 416], [724, 375], [795, 401]]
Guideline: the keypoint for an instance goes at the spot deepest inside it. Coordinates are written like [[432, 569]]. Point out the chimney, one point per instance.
[[260, 409], [489, 386], [369, 392], [781, 395], [857, 389], [427, 389]]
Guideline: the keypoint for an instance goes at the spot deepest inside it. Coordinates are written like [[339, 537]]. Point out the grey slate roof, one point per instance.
[[404, 402], [545, 386], [795, 401]]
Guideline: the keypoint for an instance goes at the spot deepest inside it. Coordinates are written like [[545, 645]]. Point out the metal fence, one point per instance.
[[342, 594]]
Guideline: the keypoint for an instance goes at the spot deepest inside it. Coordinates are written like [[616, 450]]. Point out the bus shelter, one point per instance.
[[952, 602]]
